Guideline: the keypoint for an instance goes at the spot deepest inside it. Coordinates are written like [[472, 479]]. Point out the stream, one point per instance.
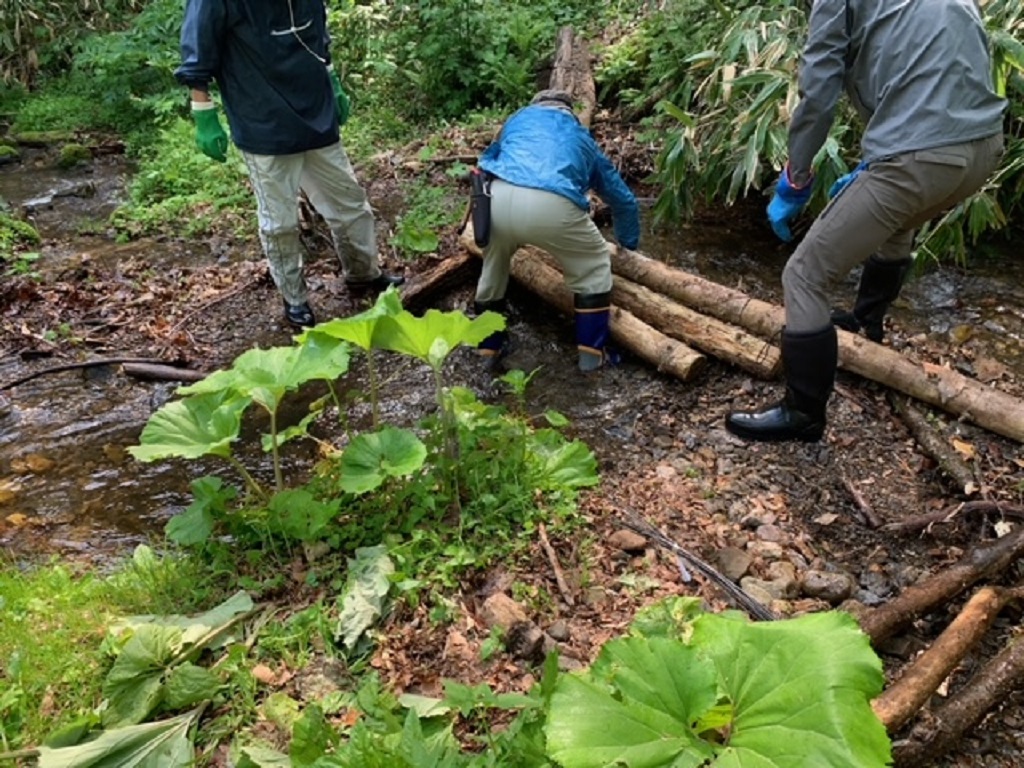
[[68, 485]]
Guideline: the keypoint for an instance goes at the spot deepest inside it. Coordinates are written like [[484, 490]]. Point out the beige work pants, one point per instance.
[[878, 213], [328, 179], [523, 216]]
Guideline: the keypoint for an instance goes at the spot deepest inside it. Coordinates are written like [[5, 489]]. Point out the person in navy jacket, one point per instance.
[[542, 165], [285, 106]]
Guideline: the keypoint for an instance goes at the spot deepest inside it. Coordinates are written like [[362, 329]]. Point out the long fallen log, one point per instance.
[[964, 397], [719, 339], [948, 723], [980, 563], [648, 343], [901, 700]]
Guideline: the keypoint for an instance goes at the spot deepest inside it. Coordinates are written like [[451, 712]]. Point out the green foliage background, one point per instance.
[[710, 83]]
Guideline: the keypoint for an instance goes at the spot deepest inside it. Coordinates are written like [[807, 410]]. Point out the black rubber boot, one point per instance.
[[299, 315], [379, 284], [809, 361], [497, 345], [593, 329], [880, 284]]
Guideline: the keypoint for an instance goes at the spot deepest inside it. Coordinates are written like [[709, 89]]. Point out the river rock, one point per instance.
[[782, 577], [733, 562], [500, 610], [834, 587], [627, 541]]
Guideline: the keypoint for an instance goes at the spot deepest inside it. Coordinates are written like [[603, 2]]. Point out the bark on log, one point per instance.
[[982, 562], [656, 348], [985, 406], [927, 520], [453, 271], [721, 340], [901, 700], [935, 446], [948, 724], [162, 372], [572, 73]]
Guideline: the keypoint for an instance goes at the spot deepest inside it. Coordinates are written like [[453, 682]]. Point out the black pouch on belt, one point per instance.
[[480, 206]]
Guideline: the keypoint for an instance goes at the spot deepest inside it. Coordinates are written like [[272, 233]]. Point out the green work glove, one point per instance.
[[344, 107], [210, 136]]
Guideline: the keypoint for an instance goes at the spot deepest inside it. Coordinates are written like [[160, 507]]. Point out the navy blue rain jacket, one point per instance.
[[271, 70], [547, 148]]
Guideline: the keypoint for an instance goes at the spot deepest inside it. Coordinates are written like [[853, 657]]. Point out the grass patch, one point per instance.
[[52, 619]]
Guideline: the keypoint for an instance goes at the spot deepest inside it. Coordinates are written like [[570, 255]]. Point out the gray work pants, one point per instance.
[[327, 177], [523, 216], [878, 213]]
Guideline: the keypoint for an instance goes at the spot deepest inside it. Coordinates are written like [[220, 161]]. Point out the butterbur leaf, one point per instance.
[[196, 523], [163, 744], [197, 426], [362, 600], [737, 694], [801, 690], [373, 457], [254, 756], [556, 463], [134, 685], [358, 329], [432, 337], [635, 710], [265, 375], [188, 685]]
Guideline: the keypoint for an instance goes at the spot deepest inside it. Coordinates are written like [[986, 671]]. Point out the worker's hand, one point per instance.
[[844, 181], [786, 204], [344, 106], [210, 137]]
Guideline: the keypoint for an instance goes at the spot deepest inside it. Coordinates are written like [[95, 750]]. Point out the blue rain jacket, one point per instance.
[[269, 59], [547, 148]]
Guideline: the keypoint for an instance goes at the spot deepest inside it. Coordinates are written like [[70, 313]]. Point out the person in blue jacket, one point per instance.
[[542, 165], [285, 106]]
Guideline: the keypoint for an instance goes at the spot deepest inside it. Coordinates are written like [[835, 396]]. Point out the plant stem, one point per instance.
[[276, 453], [250, 481]]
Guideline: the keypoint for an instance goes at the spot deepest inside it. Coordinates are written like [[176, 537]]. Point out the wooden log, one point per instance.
[[901, 700], [942, 387], [936, 446], [983, 562], [946, 727], [719, 339], [162, 372], [572, 73], [648, 343]]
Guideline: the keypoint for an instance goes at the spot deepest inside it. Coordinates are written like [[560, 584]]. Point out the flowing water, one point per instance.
[[67, 483]]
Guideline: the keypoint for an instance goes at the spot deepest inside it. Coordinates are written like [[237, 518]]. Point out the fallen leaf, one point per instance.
[[964, 449]]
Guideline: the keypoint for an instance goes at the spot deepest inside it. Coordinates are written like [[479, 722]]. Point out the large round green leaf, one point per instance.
[[373, 457]]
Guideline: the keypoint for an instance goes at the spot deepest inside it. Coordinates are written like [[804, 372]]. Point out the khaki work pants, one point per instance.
[[328, 179], [523, 216], [878, 213]]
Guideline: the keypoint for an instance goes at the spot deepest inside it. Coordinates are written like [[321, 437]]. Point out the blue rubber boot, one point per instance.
[[593, 329]]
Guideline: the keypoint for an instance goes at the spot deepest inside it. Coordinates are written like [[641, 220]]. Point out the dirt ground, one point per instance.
[[773, 513]]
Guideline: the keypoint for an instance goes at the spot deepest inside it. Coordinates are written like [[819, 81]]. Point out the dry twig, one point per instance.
[[563, 586]]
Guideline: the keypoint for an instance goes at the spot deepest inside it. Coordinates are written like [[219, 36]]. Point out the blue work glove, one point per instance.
[[844, 181], [786, 204], [210, 137], [342, 103]]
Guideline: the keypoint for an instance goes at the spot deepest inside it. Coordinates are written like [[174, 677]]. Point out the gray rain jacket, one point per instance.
[[917, 71]]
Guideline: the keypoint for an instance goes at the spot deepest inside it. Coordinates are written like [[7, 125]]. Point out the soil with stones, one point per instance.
[[797, 525]]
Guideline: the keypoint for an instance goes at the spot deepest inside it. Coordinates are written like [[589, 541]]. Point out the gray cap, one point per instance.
[[553, 95]]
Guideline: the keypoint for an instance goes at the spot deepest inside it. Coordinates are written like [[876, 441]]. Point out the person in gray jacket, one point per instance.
[[919, 74], [285, 105]]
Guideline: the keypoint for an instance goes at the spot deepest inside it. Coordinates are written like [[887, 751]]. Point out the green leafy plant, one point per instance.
[[706, 689]]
